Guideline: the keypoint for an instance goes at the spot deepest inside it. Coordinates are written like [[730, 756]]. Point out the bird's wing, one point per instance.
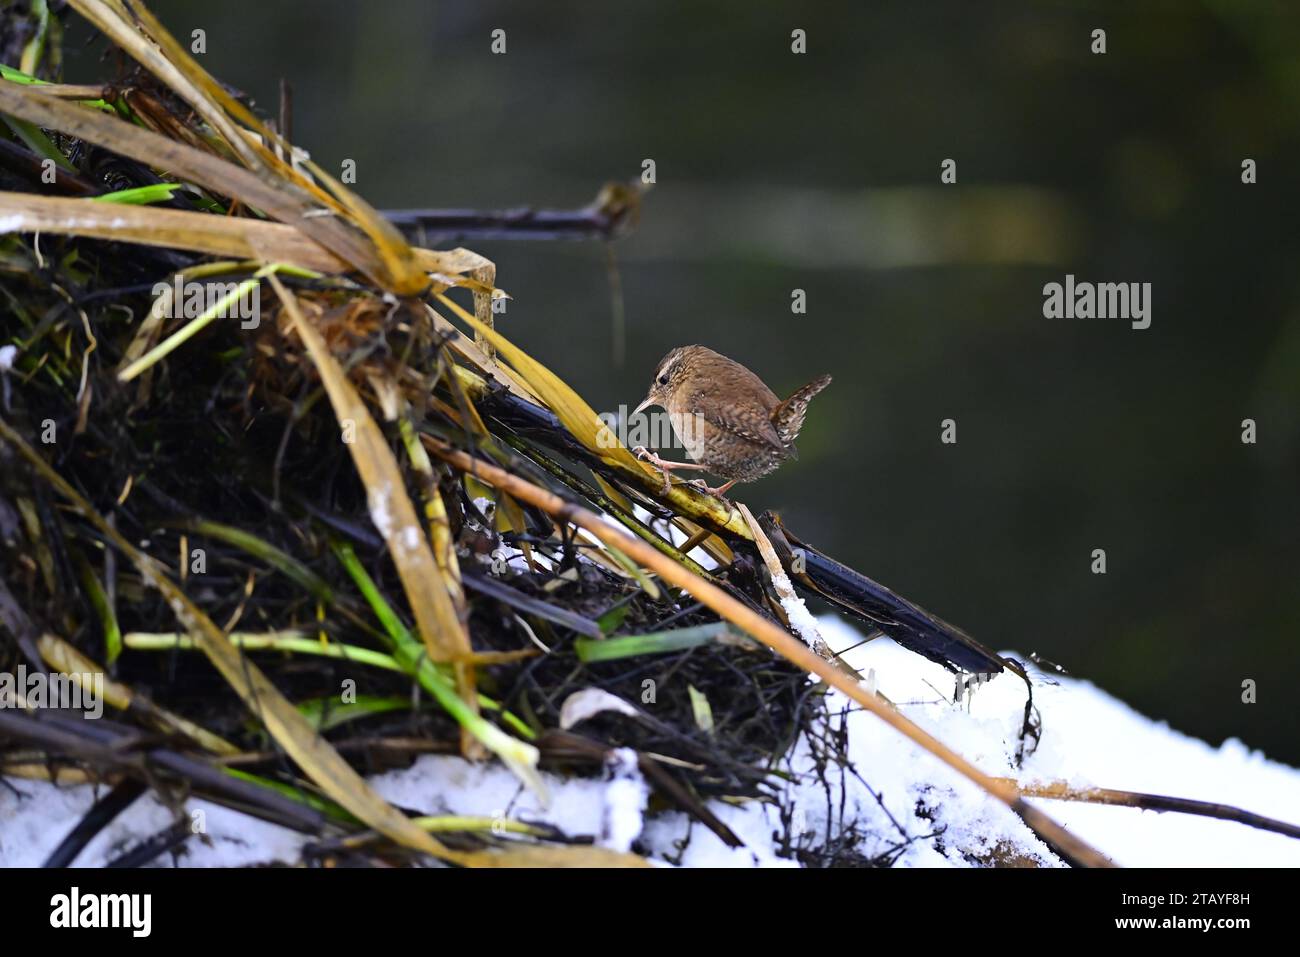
[[753, 427]]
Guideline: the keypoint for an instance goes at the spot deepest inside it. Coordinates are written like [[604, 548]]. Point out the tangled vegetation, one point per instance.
[[327, 468]]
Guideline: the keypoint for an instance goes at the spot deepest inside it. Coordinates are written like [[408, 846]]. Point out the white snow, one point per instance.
[[796, 611], [411, 538], [801, 619], [380, 502], [1088, 739], [626, 796], [895, 798], [32, 826]]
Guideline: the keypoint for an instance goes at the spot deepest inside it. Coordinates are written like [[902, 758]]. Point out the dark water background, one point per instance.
[[821, 172]]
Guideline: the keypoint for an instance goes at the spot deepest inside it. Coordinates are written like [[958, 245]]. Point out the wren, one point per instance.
[[728, 421]]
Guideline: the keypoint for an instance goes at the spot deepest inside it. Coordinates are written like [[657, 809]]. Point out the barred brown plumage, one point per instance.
[[727, 419]]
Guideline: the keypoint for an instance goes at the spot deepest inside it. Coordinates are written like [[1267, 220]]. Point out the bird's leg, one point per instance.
[[663, 465], [704, 487]]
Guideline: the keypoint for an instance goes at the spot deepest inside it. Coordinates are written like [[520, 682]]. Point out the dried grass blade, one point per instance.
[[281, 199], [66, 659], [579, 418], [403, 267], [159, 53], [441, 629], [225, 236]]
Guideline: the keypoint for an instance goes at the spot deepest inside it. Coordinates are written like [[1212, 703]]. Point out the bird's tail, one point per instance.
[[787, 417]]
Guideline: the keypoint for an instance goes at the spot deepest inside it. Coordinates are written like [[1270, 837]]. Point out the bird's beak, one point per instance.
[[645, 404]]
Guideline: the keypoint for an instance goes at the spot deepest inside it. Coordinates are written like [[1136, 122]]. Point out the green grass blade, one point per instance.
[[519, 756], [281, 561], [140, 195], [661, 643]]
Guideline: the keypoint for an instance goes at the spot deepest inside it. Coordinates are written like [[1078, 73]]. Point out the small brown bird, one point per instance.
[[729, 422]]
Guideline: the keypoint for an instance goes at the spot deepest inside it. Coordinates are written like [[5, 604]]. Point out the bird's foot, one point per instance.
[[646, 455], [719, 492]]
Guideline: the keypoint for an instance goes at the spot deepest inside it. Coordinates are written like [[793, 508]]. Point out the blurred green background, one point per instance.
[[821, 172]]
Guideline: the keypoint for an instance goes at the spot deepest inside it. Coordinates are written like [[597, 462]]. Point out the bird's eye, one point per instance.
[[663, 380]]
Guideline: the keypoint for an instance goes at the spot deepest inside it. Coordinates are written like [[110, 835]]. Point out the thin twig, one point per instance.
[[1060, 791]]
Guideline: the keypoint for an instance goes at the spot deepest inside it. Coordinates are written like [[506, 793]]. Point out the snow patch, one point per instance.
[[626, 797], [897, 803], [380, 501]]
